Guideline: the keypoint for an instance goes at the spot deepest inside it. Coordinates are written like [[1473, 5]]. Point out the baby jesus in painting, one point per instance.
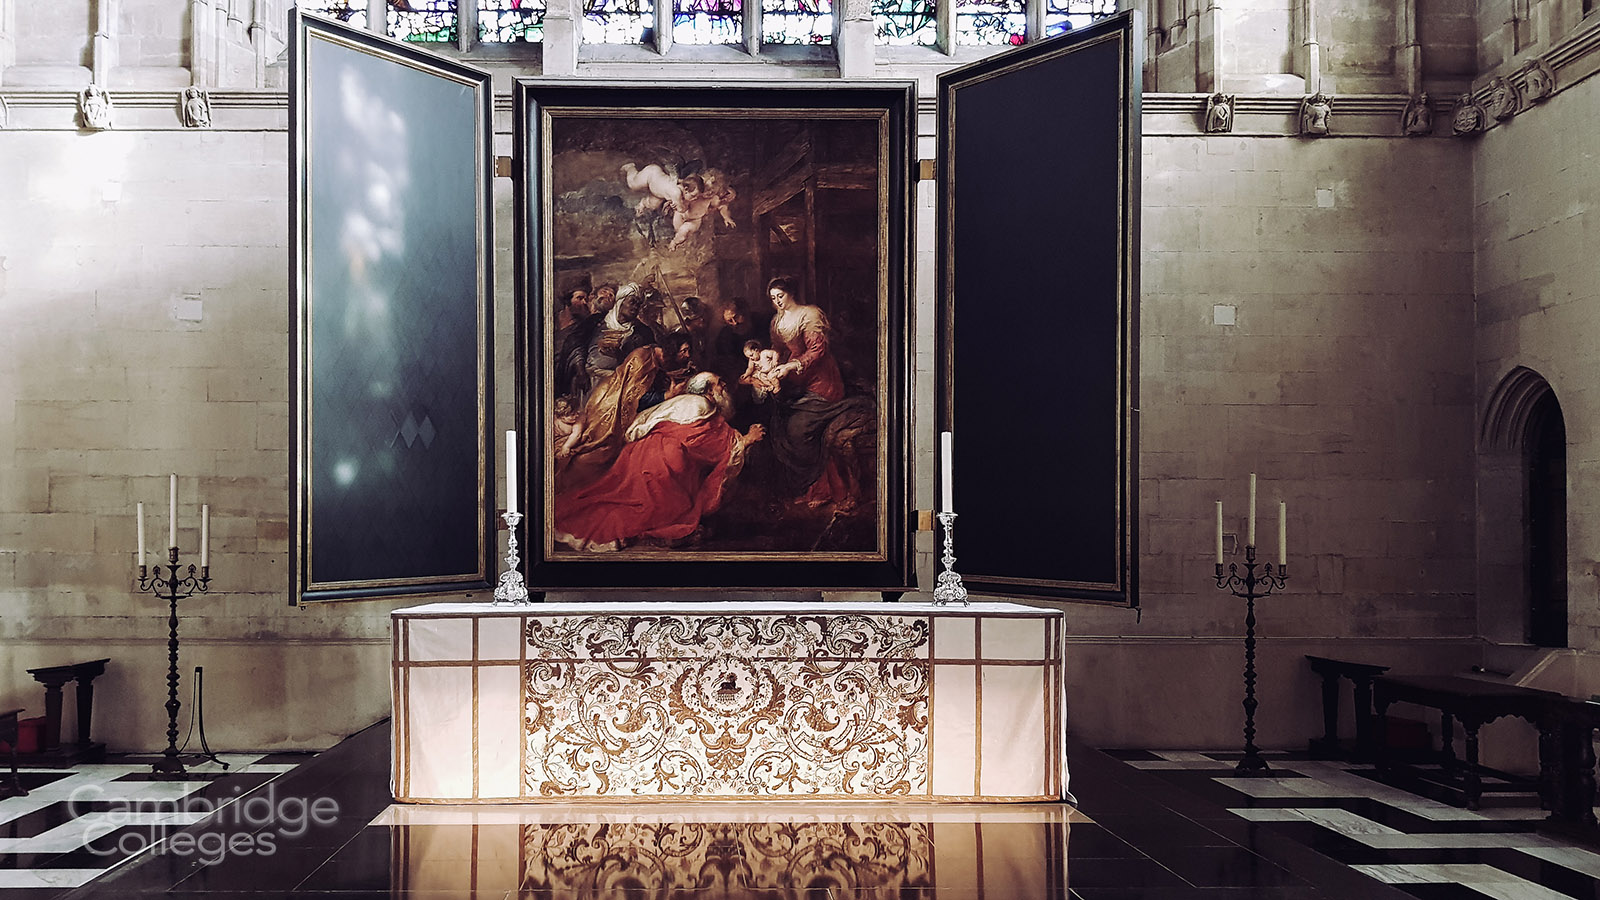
[[760, 373]]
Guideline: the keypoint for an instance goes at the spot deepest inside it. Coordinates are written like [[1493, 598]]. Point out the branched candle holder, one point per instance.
[[511, 589], [1252, 587], [172, 588], [948, 590]]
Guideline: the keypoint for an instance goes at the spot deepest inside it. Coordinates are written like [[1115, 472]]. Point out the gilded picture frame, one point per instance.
[[712, 300], [391, 293]]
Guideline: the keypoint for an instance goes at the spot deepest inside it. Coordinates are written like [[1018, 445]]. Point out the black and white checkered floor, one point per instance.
[[76, 824], [1424, 847], [1149, 825]]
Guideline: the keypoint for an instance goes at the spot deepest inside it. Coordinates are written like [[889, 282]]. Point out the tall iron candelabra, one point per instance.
[[511, 588], [1252, 587], [172, 589], [948, 589]]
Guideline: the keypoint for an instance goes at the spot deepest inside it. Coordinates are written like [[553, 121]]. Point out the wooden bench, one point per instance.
[[12, 786], [1360, 674], [84, 749], [1473, 703]]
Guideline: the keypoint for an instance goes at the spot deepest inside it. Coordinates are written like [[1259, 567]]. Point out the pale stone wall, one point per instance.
[[1536, 224], [1344, 386]]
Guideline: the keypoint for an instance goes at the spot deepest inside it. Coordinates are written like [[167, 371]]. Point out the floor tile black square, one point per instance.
[[1121, 873], [1093, 841], [1233, 867]]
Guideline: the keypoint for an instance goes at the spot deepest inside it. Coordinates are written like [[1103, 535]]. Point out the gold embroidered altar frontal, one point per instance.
[[669, 701]]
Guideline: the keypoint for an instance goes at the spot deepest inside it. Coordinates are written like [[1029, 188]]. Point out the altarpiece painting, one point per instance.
[[713, 314]]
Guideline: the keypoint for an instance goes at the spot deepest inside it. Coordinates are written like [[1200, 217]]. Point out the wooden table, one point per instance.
[[1473, 703]]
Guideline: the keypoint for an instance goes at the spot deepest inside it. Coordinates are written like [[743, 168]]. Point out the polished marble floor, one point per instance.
[[1159, 825]]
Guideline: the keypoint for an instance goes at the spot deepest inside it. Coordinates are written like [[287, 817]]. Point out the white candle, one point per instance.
[[1250, 528], [511, 471], [947, 471], [172, 512], [205, 535], [1219, 532], [140, 518], [1283, 532]]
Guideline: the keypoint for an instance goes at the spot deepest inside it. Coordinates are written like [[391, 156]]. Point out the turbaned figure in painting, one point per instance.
[[680, 456]]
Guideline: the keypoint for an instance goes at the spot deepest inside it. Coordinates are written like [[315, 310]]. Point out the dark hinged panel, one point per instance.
[[1038, 318], [391, 308]]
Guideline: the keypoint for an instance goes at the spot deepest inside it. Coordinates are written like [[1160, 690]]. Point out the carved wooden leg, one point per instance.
[[1473, 781], [1447, 740], [1327, 747], [12, 786], [1381, 744], [85, 708], [1363, 698], [1554, 765], [1583, 789], [51, 739]]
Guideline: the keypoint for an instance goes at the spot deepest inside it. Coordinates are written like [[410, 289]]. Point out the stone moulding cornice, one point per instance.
[[1260, 115]]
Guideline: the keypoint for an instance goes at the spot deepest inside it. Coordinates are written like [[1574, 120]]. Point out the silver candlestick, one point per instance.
[[511, 589], [948, 590]]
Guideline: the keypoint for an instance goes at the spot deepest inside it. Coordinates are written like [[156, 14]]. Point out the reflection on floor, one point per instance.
[[1165, 826], [732, 850], [75, 824], [1422, 846]]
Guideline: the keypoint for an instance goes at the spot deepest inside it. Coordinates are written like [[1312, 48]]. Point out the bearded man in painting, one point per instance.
[[680, 457]]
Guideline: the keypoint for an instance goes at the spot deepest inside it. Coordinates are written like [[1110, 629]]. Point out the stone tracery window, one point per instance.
[[991, 21], [510, 21], [352, 12], [707, 22], [618, 21], [797, 22], [423, 21], [1064, 15], [906, 22]]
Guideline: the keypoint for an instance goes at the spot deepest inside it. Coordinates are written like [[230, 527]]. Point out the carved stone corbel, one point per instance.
[[1315, 113], [94, 108], [194, 107], [1538, 81], [1417, 119], [1469, 117], [1219, 114], [1502, 101]]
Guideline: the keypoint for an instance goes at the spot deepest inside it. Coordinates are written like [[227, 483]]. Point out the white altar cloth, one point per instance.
[[666, 700]]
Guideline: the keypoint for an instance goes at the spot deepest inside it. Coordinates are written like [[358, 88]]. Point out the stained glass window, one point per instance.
[[991, 21], [1064, 15], [351, 11], [707, 22], [797, 22], [618, 21], [423, 21], [507, 21], [906, 21]]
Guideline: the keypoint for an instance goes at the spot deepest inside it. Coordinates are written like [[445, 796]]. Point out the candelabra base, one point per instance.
[[1252, 764], [169, 765]]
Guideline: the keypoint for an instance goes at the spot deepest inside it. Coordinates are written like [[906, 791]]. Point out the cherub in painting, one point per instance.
[[688, 199]]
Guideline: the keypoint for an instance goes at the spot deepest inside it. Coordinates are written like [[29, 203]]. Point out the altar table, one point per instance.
[[898, 701]]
